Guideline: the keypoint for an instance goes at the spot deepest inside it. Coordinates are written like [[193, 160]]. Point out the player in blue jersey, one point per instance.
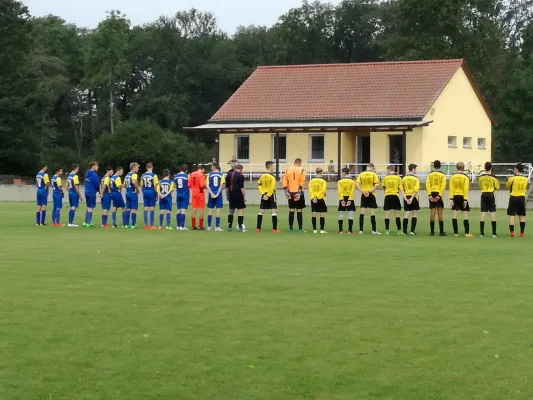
[[43, 181], [92, 187], [164, 190], [132, 195], [74, 195], [181, 181], [116, 197], [57, 196], [105, 193], [215, 183], [149, 182]]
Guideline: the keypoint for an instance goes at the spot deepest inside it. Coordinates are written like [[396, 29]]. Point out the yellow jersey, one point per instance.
[[392, 184], [346, 189], [488, 183], [267, 184], [367, 181], [317, 188], [411, 185], [436, 183], [517, 185], [459, 185]]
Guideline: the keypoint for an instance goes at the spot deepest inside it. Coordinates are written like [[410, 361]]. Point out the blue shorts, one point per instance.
[[182, 202], [73, 199], [215, 203], [106, 202], [149, 198], [90, 199], [118, 200], [58, 201], [132, 201], [166, 204], [42, 197]]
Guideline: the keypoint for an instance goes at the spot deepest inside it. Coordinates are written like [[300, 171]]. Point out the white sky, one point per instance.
[[230, 13]]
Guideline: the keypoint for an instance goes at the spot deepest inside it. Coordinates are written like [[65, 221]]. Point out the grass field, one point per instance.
[[121, 314]]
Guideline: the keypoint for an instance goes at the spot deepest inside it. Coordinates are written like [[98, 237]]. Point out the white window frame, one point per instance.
[[274, 147], [454, 144], [245, 160], [482, 146], [467, 142], [316, 160]]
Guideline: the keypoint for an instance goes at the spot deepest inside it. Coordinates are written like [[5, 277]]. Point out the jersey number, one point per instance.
[[128, 181], [180, 183], [69, 181], [39, 181], [165, 187], [215, 181], [148, 181]]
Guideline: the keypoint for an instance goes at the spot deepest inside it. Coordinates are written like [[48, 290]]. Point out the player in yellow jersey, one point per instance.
[[346, 190], [517, 186], [459, 187], [411, 187], [488, 183], [293, 184], [367, 182], [317, 193], [435, 187], [392, 184], [267, 188]]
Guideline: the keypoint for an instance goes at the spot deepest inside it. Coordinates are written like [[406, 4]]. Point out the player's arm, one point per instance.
[[221, 185], [443, 184], [324, 188], [135, 182], [60, 186], [401, 189], [509, 183], [76, 183], [301, 182], [429, 188], [358, 184], [95, 181], [496, 183], [46, 180], [466, 187], [241, 184], [376, 184]]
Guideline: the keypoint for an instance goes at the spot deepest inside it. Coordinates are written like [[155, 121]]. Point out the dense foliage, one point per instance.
[[69, 93]]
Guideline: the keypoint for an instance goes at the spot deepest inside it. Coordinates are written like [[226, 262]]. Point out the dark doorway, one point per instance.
[[362, 153], [396, 152]]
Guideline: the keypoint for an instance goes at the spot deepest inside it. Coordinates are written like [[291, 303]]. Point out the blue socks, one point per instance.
[[178, 219], [145, 215], [89, 217], [209, 220], [217, 222], [104, 219], [168, 219], [134, 219], [160, 220], [43, 217], [71, 215], [114, 218], [125, 218], [152, 217], [38, 217]]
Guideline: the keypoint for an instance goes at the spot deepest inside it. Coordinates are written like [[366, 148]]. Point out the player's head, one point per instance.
[[44, 167], [184, 168], [488, 166], [75, 168], [134, 167], [109, 171], [149, 166], [238, 167], [201, 168], [166, 173], [319, 171], [215, 166], [412, 168], [298, 162], [59, 171], [391, 169], [460, 166], [269, 165], [93, 165], [345, 171], [436, 164], [370, 167], [119, 170], [518, 169]]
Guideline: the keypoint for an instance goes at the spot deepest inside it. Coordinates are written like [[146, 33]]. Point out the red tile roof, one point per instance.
[[341, 91]]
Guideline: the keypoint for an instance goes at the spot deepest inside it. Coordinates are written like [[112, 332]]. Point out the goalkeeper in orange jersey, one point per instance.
[[293, 183], [317, 192]]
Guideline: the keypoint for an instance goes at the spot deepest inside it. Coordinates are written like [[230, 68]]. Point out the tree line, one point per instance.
[[121, 92]]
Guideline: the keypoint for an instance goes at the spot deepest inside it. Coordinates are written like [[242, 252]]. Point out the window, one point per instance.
[[467, 142], [243, 148], [481, 143], [316, 144], [452, 141], [282, 148]]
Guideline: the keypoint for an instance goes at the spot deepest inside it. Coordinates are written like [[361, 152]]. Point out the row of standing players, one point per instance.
[[110, 189]]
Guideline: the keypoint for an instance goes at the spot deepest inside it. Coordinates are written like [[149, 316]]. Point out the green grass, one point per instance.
[[120, 314]]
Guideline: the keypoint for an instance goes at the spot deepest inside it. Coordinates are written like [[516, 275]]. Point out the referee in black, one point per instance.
[[236, 195]]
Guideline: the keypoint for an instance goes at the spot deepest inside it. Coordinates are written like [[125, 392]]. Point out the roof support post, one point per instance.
[[404, 153], [339, 149], [276, 154]]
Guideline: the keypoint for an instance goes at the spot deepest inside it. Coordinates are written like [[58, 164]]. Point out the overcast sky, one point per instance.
[[230, 13]]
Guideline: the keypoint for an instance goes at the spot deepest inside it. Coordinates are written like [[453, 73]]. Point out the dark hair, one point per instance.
[[238, 166], [43, 166], [319, 170], [519, 167], [215, 165], [74, 166], [436, 164], [268, 163], [184, 168], [488, 166], [391, 168], [298, 160], [119, 168], [149, 165], [92, 164], [345, 170], [201, 166], [58, 169], [166, 172], [107, 169]]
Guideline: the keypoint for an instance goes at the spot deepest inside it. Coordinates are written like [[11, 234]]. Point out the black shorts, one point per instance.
[[319, 206], [349, 205], [488, 202], [269, 204], [369, 202], [236, 202], [297, 204], [435, 204], [392, 202], [517, 206], [459, 204], [414, 206]]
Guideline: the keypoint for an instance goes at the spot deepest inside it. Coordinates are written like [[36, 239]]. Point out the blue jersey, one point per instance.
[[92, 183], [166, 186], [128, 182], [182, 183], [149, 181], [215, 180], [42, 180], [56, 184], [72, 182], [116, 184]]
